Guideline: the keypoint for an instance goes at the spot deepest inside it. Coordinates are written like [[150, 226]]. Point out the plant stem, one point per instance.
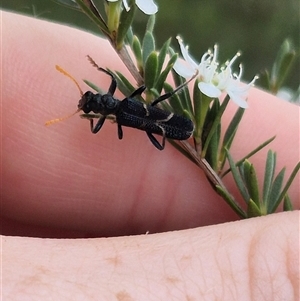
[[125, 57], [204, 165]]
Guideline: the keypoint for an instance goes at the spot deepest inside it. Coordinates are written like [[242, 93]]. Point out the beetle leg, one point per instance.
[[169, 94], [113, 85], [137, 92], [155, 142], [161, 98], [120, 131], [98, 126]]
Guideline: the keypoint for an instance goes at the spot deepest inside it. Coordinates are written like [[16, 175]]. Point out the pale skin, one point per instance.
[[62, 181]]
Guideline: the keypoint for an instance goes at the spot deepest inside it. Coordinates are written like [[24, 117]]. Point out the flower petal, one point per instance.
[[147, 6], [240, 101], [185, 53], [183, 68], [127, 8], [238, 92], [209, 89]]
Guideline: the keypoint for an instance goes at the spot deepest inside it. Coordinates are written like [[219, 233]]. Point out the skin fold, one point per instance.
[[62, 181]]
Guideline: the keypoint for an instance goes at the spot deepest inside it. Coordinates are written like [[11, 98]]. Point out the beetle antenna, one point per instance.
[[185, 83], [93, 62], [64, 72], [49, 122]]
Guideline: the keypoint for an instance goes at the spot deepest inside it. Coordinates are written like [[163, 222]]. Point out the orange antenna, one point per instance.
[[64, 72], [49, 122]]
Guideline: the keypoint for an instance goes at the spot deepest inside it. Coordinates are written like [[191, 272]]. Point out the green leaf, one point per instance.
[[188, 115], [241, 170], [275, 192], [183, 94], [215, 124], [287, 204], [151, 23], [296, 96], [269, 175], [162, 55], [68, 3], [200, 105], [230, 134], [238, 163], [90, 116], [137, 50], [148, 45], [264, 80], [212, 150], [237, 178], [251, 182], [129, 36], [150, 69], [174, 101], [282, 66], [230, 201], [253, 210], [123, 84], [287, 185], [91, 11], [125, 23], [211, 115], [93, 86], [231, 130], [163, 75]]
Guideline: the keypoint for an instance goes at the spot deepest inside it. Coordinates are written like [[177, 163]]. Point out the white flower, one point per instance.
[[146, 6], [187, 67], [289, 95], [233, 86], [213, 82]]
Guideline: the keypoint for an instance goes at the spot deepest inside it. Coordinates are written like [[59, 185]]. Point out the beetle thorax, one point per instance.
[[97, 103], [107, 104]]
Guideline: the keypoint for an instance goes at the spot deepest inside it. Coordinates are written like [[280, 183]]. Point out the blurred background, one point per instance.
[[257, 28]]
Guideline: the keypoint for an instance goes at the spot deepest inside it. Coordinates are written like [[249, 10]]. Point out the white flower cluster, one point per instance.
[[213, 81], [148, 7]]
